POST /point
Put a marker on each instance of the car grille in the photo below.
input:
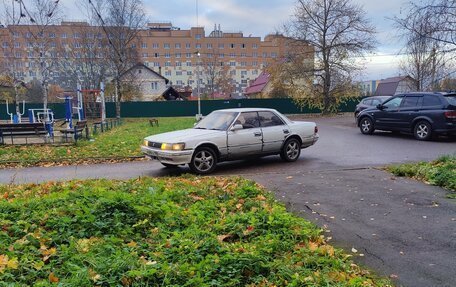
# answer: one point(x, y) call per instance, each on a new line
point(154, 144)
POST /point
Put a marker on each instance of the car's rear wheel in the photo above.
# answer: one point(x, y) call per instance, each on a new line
point(422, 131)
point(366, 126)
point(291, 150)
point(203, 161)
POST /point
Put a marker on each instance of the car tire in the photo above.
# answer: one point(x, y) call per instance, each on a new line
point(422, 131)
point(168, 165)
point(203, 161)
point(291, 150)
point(366, 126)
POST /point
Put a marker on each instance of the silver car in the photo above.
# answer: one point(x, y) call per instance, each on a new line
point(229, 135)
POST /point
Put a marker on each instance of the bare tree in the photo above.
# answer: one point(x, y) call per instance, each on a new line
point(216, 72)
point(339, 31)
point(440, 20)
point(121, 21)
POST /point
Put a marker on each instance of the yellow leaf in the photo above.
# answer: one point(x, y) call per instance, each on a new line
point(38, 265)
point(312, 246)
point(132, 244)
point(13, 263)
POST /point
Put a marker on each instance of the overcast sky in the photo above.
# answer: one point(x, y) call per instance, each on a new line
point(260, 17)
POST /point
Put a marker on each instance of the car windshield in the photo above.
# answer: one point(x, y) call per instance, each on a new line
point(451, 99)
point(217, 121)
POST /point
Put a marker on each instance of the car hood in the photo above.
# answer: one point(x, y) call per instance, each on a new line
point(183, 135)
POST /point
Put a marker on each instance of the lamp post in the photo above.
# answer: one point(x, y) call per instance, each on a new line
point(198, 54)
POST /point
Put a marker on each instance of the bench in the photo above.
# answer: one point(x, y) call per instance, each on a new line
point(22, 130)
point(153, 121)
point(77, 131)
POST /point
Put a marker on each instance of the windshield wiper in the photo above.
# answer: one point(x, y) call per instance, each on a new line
point(199, 128)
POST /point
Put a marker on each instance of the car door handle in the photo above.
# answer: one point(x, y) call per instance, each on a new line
point(257, 134)
point(285, 131)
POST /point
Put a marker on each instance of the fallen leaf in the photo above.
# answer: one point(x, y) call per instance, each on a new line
point(289, 177)
point(53, 278)
point(132, 244)
point(393, 276)
point(222, 238)
point(354, 250)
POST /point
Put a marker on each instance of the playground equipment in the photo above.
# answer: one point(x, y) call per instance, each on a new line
point(17, 117)
point(94, 103)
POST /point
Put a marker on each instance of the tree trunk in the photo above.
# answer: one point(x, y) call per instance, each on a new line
point(118, 98)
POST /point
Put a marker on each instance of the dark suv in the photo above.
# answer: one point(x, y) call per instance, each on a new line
point(422, 114)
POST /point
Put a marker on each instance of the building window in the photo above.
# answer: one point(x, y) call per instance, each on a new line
point(209, 55)
point(177, 45)
point(188, 45)
point(255, 46)
point(178, 55)
point(189, 73)
point(243, 64)
point(243, 82)
point(51, 35)
point(188, 55)
point(222, 55)
point(77, 45)
point(255, 54)
point(16, 35)
point(52, 45)
point(243, 46)
point(178, 73)
point(189, 64)
point(29, 45)
point(17, 45)
point(28, 35)
point(166, 46)
point(221, 46)
point(209, 45)
point(155, 45)
point(167, 64)
point(198, 36)
point(255, 64)
point(133, 46)
point(274, 55)
point(145, 55)
point(156, 64)
point(198, 46)
point(154, 85)
point(178, 64)
point(144, 45)
point(265, 54)
point(233, 73)
point(179, 83)
point(243, 73)
point(139, 71)
point(18, 55)
point(232, 64)
point(168, 73)
point(30, 54)
point(167, 55)
point(76, 35)
point(255, 72)
point(157, 55)
point(243, 55)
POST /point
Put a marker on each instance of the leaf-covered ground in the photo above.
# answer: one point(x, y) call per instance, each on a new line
point(186, 231)
point(120, 143)
point(441, 172)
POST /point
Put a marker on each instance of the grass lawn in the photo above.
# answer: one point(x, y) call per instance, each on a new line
point(185, 231)
point(120, 142)
point(441, 172)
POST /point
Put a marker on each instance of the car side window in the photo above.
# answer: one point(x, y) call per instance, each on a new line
point(429, 101)
point(367, 102)
point(410, 102)
point(269, 119)
point(248, 120)
point(394, 103)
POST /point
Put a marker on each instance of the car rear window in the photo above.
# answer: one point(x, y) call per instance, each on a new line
point(431, 101)
point(451, 99)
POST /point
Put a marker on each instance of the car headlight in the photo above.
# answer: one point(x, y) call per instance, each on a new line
point(175, 147)
point(146, 143)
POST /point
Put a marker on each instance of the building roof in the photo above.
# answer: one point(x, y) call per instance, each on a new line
point(142, 66)
point(258, 85)
point(388, 86)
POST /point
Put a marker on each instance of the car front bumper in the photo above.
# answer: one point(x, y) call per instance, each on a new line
point(168, 156)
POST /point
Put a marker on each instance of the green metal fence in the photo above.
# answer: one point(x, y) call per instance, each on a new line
point(187, 108)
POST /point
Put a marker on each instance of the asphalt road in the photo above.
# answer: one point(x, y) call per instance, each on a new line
point(399, 227)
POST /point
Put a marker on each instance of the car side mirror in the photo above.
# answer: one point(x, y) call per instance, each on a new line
point(380, 107)
point(237, 127)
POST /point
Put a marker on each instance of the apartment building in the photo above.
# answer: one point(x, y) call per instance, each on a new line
point(185, 57)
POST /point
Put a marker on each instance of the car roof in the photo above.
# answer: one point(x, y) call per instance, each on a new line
point(426, 93)
point(239, 110)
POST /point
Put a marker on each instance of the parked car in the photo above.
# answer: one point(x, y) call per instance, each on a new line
point(369, 102)
point(422, 114)
point(231, 134)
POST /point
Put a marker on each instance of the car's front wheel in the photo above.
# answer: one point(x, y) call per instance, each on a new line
point(203, 161)
point(291, 150)
point(366, 126)
point(422, 131)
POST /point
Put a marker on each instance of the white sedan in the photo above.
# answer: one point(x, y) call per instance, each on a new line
point(229, 135)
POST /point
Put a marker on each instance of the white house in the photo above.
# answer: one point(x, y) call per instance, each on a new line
point(152, 84)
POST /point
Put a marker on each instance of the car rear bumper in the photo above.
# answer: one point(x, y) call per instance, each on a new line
point(169, 157)
point(307, 142)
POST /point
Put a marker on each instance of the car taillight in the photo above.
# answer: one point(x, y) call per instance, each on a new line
point(450, 115)
point(316, 130)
